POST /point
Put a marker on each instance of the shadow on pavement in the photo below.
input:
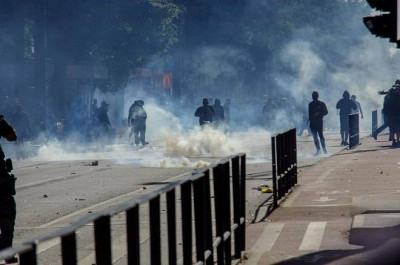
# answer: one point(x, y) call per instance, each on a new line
point(381, 246)
point(268, 204)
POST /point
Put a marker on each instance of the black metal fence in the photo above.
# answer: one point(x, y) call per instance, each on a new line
point(284, 164)
point(374, 121)
point(354, 130)
point(216, 193)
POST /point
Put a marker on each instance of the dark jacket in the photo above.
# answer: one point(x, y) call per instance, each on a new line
point(205, 114)
point(346, 106)
point(316, 112)
point(219, 111)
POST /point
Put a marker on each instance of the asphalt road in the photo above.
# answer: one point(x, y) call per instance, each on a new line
point(61, 184)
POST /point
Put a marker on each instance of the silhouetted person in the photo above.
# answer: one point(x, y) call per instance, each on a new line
point(385, 118)
point(303, 122)
point(104, 121)
point(22, 124)
point(316, 112)
point(359, 109)
point(219, 114)
point(8, 210)
point(269, 111)
point(345, 106)
point(137, 118)
point(205, 113)
point(227, 114)
point(391, 108)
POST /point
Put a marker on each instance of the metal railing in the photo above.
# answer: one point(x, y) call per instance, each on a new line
point(354, 130)
point(374, 121)
point(217, 191)
point(284, 164)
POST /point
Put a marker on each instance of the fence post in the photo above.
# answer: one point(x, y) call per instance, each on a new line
point(227, 211)
point(354, 131)
point(28, 257)
point(171, 217)
point(186, 205)
point(243, 199)
point(199, 217)
point(274, 177)
point(219, 211)
point(236, 204)
point(133, 238)
point(374, 121)
point(208, 218)
point(68, 246)
point(102, 236)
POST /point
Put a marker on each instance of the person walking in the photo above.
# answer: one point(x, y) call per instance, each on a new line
point(359, 109)
point(137, 117)
point(345, 106)
point(316, 112)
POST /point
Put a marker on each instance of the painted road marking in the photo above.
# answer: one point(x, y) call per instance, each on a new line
point(324, 199)
point(266, 241)
point(313, 237)
point(358, 221)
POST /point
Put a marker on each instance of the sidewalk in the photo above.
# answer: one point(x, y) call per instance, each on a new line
point(344, 210)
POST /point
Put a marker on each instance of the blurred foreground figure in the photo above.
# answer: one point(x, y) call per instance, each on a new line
point(137, 118)
point(345, 106)
point(205, 113)
point(7, 191)
point(316, 112)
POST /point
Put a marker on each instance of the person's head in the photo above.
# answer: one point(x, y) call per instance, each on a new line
point(353, 97)
point(217, 101)
point(315, 95)
point(205, 101)
point(346, 94)
point(140, 102)
point(397, 82)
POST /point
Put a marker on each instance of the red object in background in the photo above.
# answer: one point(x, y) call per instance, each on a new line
point(167, 80)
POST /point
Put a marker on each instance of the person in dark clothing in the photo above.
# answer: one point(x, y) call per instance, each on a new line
point(316, 112)
point(8, 211)
point(391, 108)
point(205, 113)
point(269, 112)
point(21, 123)
point(227, 115)
point(303, 122)
point(219, 114)
point(103, 120)
point(385, 118)
point(345, 106)
point(137, 118)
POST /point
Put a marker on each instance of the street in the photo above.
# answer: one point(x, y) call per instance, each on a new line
point(65, 187)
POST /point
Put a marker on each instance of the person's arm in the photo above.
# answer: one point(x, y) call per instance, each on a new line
point(197, 113)
point(324, 110)
point(361, 112)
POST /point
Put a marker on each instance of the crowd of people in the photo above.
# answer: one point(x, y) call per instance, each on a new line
point(215, 114)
